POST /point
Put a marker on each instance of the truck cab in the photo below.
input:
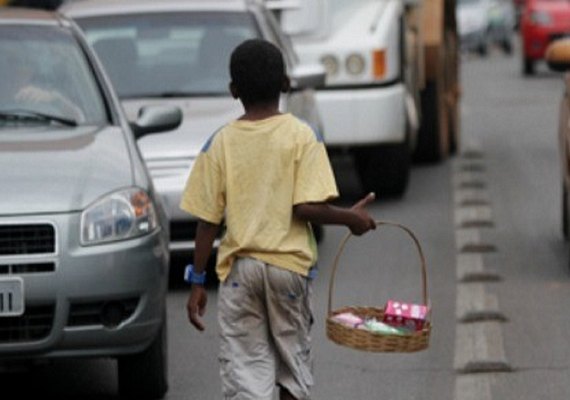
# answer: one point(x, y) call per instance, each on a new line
point(368, 108)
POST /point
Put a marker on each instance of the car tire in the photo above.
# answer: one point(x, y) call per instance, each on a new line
point(565, 214)
point(528, 66)
point(384, 169)
point(144, 375)
point(483, 47)
point(507, 46)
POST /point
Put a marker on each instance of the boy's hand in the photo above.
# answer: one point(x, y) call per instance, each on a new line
point(363, 221)
point(196, 306)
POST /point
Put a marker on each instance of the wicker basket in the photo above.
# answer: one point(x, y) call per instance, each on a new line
point(364, 340)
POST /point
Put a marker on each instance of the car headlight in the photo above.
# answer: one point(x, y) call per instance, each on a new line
point(541, 18)
point(355, 64)
point(330, 63)
point(118, 216)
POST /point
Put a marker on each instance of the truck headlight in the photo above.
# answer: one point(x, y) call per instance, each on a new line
point(355, 64)
point(330, 63)
point(118, 216)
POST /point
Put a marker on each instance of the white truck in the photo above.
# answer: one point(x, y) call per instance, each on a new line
point(391, 89)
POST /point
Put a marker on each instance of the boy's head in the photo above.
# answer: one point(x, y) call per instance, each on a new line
point(258, 73)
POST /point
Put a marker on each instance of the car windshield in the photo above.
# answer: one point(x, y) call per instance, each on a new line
point(169, 54)
point(45, 79)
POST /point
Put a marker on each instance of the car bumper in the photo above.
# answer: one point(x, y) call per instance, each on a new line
point(66, 302)
point(362, 116)
point(537, 39)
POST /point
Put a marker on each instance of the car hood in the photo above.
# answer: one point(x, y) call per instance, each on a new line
point(47, 170)
point(202, 117)
point(558, 10)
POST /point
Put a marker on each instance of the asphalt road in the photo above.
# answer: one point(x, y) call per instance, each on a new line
point(511, 120)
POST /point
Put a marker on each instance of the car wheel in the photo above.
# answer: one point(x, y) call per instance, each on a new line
point(565, 213)
point(384, 169)
point(507, 46)
point(528, 66)
point(483, 47)
point(144, 375)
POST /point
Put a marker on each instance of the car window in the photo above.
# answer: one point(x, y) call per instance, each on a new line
point(43, 70)
point(168, 54)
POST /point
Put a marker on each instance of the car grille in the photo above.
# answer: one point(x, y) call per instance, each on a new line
point(183, 231)
point(18, 240)
point(35, 324)
point(35, 268)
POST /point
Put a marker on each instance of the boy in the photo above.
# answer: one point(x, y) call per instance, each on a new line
point(269, 176)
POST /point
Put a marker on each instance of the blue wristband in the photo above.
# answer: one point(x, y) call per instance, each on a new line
point(191, 277)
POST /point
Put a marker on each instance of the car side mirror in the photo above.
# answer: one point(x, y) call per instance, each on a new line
point(558, 55)
point(155, 119)
point(308, 76)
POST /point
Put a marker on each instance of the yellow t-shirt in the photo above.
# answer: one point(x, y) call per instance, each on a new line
point(252, 173)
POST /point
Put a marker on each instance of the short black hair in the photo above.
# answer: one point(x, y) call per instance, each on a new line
point(257, 70)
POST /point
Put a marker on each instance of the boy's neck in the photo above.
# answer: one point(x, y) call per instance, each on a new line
point(260, 111)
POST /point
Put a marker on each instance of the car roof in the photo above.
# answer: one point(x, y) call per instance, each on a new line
point(27, 16)
point(88, 8)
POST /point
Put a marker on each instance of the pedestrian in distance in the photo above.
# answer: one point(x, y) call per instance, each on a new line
point(268, 177)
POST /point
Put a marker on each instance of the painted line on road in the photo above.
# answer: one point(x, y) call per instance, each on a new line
point(465, 196)
point(473, 387)
point(474, 304)
point(466, 216)
point(471, 268)
point(479, 346)
point(469, 241)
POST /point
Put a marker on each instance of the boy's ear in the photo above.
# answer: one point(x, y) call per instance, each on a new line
point(286, 85)
point(234, 91)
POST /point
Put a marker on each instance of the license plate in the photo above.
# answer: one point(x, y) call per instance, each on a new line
point(11, 297)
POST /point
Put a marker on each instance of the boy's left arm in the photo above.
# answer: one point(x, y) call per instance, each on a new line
point(196, 305)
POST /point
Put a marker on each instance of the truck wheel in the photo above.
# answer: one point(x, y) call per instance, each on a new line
point(144, 375)
point(384, 169)
point(565, 224)
point(432, 143)
point(452, 91)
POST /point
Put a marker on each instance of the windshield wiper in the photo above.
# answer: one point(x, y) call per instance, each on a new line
point(29, 115)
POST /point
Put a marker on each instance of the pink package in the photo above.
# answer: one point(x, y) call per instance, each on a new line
point(411, 316)
point(348, 319)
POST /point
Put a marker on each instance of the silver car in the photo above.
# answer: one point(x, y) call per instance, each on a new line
point(177, 52)
point(83, 240)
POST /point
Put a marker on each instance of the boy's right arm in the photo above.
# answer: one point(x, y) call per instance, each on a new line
point(356, 218)
point(196, 305)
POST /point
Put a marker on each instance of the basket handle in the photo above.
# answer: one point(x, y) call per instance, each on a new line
point(378, 224)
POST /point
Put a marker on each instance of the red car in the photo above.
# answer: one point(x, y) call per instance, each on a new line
point(542, 21)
